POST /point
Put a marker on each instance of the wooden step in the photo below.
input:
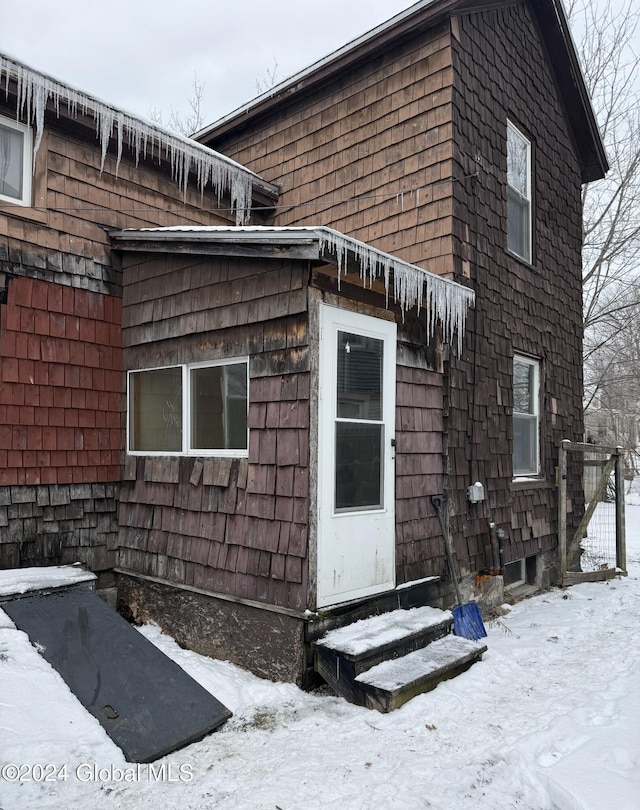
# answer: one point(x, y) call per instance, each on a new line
point(343, 654)
point(392, 683)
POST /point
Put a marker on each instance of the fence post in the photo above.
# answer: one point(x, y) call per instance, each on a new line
point(621, 537)
point(562, 508)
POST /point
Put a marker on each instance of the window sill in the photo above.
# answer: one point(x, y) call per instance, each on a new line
point(518, 484)
point(23, 212)
point(191, 454)
point(524, 262)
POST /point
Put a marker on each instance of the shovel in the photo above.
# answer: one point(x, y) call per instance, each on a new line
point(467, 621)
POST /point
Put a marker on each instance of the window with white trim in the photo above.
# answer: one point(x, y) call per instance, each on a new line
point(198, 409)
point(526, 416)
point(16, 156)
point(518, 193)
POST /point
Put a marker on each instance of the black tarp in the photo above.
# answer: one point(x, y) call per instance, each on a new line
point(146, 703)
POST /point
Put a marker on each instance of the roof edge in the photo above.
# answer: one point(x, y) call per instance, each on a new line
point(358, 48)
point(425, 14)
point(37, 93)
point(444, 301)
point(595, 163)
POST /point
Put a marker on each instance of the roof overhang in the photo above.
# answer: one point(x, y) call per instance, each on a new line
point(409, 286)
point(422, 15)
point(554, 26)
point(36, 94)
point(552, 22)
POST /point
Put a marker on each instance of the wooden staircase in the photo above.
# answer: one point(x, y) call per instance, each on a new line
point(384, 661)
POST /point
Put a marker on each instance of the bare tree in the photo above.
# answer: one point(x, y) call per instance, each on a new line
point(613, 390)
point(270, 78)
point(606, 43)
point(611, 66)
point(194, 118)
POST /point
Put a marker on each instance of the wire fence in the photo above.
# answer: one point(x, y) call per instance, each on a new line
point(594, 546)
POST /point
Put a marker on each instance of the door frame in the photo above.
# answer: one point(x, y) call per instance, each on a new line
point(332, 318)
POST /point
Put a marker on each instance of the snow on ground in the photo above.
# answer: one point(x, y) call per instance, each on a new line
point(547, 721)
point(34, 579)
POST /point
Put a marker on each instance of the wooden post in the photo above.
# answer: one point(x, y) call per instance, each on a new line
point(621, 537)
point(562, 508)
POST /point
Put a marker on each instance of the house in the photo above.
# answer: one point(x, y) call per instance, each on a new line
point(71, 168)
point(457, 137)
point(245, 350)
point(399, 317)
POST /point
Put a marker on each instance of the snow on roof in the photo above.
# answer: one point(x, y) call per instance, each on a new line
point(22, 580)
point(445, 301)
point(144, 138)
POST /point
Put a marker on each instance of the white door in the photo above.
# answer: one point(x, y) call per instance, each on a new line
point(356, 429)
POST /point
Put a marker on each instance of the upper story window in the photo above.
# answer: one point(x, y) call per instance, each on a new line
point(518, 193)
point(16, 155)
point(526, 416)
point(198, 409)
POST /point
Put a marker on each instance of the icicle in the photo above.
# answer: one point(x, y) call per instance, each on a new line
point(35, 90)
point(446, 302)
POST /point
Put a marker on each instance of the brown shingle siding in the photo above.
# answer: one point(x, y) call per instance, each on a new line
point(418, 469)
point(382, 129)
point(535, 310)
point(239, 516)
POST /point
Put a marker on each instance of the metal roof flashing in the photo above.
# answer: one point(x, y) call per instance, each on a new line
point(409, 286)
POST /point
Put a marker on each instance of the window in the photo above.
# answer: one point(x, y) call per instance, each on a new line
point(518, 193)
point(200, 409)
point(526, 416)
point(521, 572)
point(16, 155)
point(513, 574)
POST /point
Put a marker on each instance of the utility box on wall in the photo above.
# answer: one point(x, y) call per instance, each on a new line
point(475, 493)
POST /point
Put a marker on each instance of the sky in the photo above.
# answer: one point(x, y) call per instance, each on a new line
point(141, 55)
point(548, 720)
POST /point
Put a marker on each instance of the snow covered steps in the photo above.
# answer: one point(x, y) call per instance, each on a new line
point(384, 661)
point(392, 683)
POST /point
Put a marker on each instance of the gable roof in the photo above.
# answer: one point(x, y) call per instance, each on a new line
point(443, 300)
point(552, 22)
point(37, 93)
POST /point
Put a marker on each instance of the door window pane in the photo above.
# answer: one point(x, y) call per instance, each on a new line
point(358, 466)
point(359, 370)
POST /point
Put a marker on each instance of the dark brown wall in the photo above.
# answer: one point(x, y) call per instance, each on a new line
point(501, 72)
point(424, 120)
point(419, 446)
